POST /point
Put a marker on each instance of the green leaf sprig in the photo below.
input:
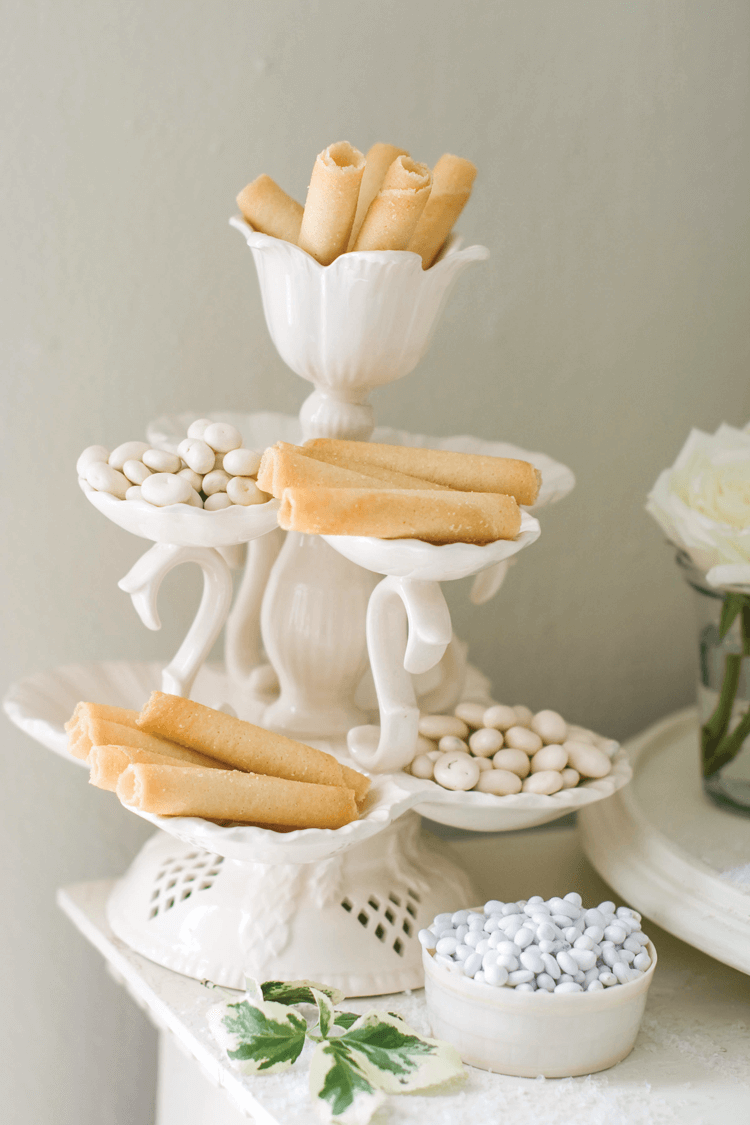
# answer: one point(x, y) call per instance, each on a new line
point(357, 1060)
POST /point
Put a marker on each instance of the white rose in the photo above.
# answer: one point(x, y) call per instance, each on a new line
point(703, 504)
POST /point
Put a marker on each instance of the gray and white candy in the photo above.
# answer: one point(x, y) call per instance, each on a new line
point(557, 945)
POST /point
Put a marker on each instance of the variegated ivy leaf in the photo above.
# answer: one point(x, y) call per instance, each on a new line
point(259, 1036)
point(326, 1014)
point(298, 991)
point(395, 1059)
point(341, 1090)
point(345, 1019)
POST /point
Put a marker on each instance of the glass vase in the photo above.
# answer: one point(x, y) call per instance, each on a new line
point(723, 620)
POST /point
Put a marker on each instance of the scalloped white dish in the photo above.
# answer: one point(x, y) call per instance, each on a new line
point(386, 802)
point(184, 525)
point(484, 812)
point(360, 322)
point(413, 558)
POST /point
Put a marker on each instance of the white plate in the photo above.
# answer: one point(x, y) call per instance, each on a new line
point(669, 851)
point(413, 558)
point(184, 525)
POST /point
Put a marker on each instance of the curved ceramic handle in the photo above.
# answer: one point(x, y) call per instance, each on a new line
point(142, 582)
point(394, 654)
point(242, 637)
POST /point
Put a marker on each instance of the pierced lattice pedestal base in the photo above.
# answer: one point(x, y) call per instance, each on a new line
point(350, 921)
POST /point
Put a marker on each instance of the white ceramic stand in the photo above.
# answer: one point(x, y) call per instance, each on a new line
point(351, 921)
point(214, 901)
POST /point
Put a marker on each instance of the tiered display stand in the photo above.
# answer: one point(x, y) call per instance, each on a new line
point(337, 640)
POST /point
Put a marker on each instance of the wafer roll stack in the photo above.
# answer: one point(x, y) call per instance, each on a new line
point(236, 743)
point(452, 179)
point(234, 796)
point(268, 209)
point(108, 762)
point(286, 466)
point(464, 472)
point(377, 162)
point(393, 215)
point(331, 202)
point(92, 728)
point(435, 517)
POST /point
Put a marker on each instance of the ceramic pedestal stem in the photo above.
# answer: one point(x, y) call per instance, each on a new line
point(313, 626)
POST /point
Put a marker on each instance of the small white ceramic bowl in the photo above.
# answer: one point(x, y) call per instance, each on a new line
point(528, 1034)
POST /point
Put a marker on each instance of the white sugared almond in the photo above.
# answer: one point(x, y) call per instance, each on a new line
point(471, 713)
point(500, 782)
point(457, 771)
point(244, 491)
point(499, 717)
point(585, 758)
point(161, 461)
point(437, 726)
point(217, 501)
point(521, 738)
point(548, 781)
point(516, 761)
point(549, 758)
point(198, 428)
point(550, 727)
point(103, 478)
point(90, 456)
point(485, 742)
point(215, 481)
point(422, 766)
point(450, 744)
point(128, 451)
point(197, 455)
point(242, 462)
point(163, 489)
point(136, 471)
point(222, 437)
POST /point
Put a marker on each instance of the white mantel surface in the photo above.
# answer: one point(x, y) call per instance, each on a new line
point(690, 1066)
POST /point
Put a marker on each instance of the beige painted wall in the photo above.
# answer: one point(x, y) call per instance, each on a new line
point(612, 144)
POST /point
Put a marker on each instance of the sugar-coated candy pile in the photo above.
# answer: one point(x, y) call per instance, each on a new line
point(212, 471)
point(533, 945)
point(504, 750)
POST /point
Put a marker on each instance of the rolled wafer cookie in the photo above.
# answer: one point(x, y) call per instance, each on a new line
point(357, 781)
point(378, 160)
point(465, 472)
point(393, 215)
point(108, 762)
point(452, 179)
point(76, 727)
point(268, 209)
point(232, 795)
point(384, 475)
point(236, 743)
point(435, 517)
point(286, 466)
point(93, 730)
point(331, 202)
point(102, 711)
